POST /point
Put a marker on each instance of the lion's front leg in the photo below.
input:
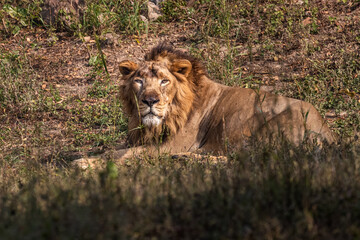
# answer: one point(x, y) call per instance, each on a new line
point(94, 162)
point(99, 162)
point(122, 155)
point(200, 157)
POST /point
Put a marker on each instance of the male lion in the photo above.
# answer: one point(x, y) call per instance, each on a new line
point(174, 107)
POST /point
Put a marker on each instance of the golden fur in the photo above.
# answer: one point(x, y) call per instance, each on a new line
point(218, 113)
point(174, 106)
point(182, 100)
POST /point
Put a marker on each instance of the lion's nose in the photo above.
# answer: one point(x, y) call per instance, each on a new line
point(150, 101)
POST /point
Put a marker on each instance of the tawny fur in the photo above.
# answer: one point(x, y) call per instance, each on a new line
point(198, 114)
point(203, 114)
point(182, 102)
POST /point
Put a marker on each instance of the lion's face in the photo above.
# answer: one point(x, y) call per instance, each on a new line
point(154, 87)
point(158, 93)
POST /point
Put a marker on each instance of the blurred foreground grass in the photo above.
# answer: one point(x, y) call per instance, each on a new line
point(291, 193)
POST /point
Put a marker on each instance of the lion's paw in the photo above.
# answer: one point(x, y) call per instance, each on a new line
point(88, 163)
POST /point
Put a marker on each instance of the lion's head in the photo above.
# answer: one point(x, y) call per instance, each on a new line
point(158, 94)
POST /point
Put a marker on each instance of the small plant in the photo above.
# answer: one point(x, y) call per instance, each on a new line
point(174, 10)
point(101, 124)
point(275, 21)
point(334, 89)
point(223, 66)
point(15, 17)
point(97, 65)
point(314, 28)
point(20, 92)
point(112, 15)
point(218, 20)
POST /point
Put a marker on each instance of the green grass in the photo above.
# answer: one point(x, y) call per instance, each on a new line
point(264, 192)
point(330, 88)
point(20, 92)
point(98, 124)
point(112, 15)
point(14, 17)
point(175, 10)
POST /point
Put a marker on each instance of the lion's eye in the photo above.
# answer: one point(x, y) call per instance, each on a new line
point(138, 81)
point(164, 82)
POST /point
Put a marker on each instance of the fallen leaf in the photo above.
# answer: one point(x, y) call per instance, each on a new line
point(87, 39)
point(306, 21)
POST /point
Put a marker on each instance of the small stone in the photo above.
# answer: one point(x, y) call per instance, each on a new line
point(266, 88)
point(153, 11)
point(87, 39)
point(306, 21)
point(109, 39)
point(143, 18)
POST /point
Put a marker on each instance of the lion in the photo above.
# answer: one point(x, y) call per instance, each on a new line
point(174, 107)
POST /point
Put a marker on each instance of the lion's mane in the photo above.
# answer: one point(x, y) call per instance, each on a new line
point(182, 103)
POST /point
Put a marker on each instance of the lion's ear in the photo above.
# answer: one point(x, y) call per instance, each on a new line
point(127, 67)
point(181, 66)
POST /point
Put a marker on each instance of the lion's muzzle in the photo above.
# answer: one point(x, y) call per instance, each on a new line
point(150, 101)
point(151, 116)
